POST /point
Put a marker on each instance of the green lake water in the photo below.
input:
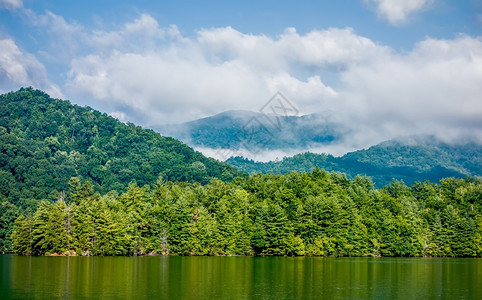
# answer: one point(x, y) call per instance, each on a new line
point(239, 278)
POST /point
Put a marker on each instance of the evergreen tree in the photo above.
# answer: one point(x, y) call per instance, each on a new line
point(22, 235)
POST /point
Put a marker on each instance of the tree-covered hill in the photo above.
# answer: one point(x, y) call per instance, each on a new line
point(74, 180)
point(44, 142)
point(228, 130)
point(411, 159)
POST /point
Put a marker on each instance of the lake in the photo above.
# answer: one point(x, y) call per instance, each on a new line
point(24, 277)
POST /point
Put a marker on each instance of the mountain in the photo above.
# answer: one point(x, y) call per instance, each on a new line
point(408, 159)
point(238, 129)
point(44, 142)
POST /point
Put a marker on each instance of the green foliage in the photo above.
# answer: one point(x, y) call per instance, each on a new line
point(8, 213)
point(22, 235)
point(317, 213)
point(73, 180)
point(49, 146)
point(45, 142)
point(410, 162)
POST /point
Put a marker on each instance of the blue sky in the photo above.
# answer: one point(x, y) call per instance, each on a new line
point(380, 68)
point(439, 19)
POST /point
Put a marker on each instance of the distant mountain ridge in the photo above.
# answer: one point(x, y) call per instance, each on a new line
point(411, 159)
point(408, 159)
point(232, 129)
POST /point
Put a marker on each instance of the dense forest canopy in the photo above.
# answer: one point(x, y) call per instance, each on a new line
point(413, 159)
point(76, 181)
point(317, 213)
point(410, 158)
point(44, 142)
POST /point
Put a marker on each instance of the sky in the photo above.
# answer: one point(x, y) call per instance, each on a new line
point(381, 68)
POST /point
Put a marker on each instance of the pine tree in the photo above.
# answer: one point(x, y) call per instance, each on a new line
point(22, 237)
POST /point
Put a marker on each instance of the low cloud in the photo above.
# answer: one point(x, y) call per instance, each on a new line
point(119, 116)
point(397, 12)
point(379, 93)
point(155, 75)
point(434, 89)
point(173, 78)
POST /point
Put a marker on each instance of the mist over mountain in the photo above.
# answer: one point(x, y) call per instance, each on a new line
point(57, 158)
point(252, 133)
point(256, 142)
point(409, 159)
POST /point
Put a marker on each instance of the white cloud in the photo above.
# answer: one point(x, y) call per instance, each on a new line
point(64, 39)
point(318, 48)
point(334, 46)
point(155, 75)
point(19, 68)
point(398, 11)
point(11, 4)
point(119, 115)
point(164, 77)
point(435, 89)
point(172, 78)
point(137, 36)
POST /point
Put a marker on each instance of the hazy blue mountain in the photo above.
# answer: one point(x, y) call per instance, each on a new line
point(238, 129)
point(408, 159)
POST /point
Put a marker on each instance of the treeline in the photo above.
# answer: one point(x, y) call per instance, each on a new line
point(317, 213)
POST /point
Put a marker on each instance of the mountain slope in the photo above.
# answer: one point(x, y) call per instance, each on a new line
point(232, 129)
point(44, 142)
point(410, 160)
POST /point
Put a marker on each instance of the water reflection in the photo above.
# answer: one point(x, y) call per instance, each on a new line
point(238, 278)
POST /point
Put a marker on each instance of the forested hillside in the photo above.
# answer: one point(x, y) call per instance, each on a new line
point(410, 160)
point(76, 181)
point(317, 213)
point(46, 143)
point(229, 129)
